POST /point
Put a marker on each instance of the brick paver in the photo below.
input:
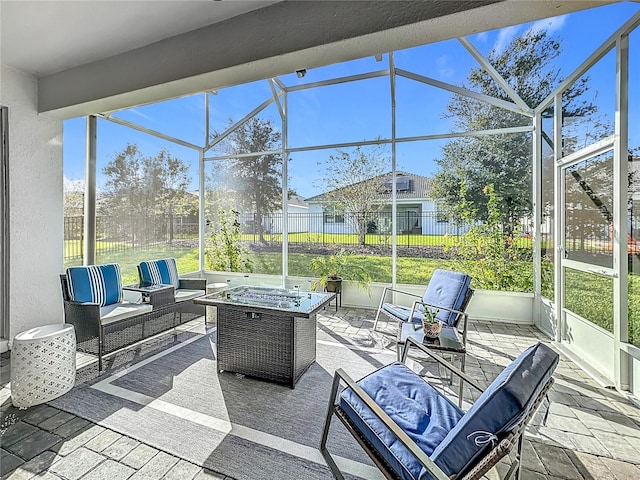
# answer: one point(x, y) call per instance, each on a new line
point(77, 464)
point(139, 456)
point(35, 466)
point(156, 468)
point(591, 432)
point(182, 470)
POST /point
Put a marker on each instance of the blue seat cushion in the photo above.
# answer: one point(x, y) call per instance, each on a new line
point(497, 410)
point(101, 284)
point(418, 409)
point(447, 288)
point(163, 271)
point(402, 313)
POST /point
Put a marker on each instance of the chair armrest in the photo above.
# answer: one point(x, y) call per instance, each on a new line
point(390, 289)
point(438, 307)
point(193, 283)
point(448, 365)
point(462, 315)
point(85, 317)
point(416, 451)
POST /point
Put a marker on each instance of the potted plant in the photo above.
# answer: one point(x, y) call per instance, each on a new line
point(431, 326)
point(331, 269)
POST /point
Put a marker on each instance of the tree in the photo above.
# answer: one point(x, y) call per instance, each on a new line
point(224, 249)
point(491, 258)
point(254, 181)
point(73, 209)
point(353, 185)
point(144, 186)
point(73, 198)
point(505, 159)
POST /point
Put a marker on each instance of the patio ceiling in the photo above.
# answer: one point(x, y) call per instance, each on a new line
point(101, 56)
point(77, 33)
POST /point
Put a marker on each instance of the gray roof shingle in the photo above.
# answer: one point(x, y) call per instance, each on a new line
point(419, 187)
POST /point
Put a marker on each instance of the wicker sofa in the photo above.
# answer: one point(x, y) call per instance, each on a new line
point(105, 320)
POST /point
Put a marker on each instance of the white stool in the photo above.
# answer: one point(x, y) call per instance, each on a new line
point(211, 315)
point(43, 364)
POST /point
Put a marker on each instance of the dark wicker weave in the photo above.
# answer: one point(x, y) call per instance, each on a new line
point(267, 344)
point(484, 461)
point(92, 336)
point(186, 283)
point(187, 306)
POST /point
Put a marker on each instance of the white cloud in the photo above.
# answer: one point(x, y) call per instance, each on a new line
point(140, 114)
point(504, 37)
point(482, 37)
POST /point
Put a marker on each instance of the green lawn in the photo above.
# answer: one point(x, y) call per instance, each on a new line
point(186, 258)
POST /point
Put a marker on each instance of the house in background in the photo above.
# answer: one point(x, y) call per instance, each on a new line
point(417, 211)
point(297, 213)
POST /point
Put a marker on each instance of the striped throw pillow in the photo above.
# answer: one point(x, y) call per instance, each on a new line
point(101, 284)
point(162, 271)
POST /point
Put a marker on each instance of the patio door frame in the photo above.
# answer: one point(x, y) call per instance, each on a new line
point(609, 342)
point(625, 358)
point(4, 223)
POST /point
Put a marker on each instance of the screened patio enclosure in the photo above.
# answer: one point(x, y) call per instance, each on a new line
point(240, 170)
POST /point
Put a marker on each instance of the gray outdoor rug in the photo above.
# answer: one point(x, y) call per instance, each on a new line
point(176, 401)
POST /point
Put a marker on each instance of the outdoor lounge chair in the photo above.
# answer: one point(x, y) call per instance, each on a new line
point(448, 293)
point(412, 431)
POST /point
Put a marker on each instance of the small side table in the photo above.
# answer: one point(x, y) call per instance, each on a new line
point(211, 312)
point(156, 295)
point(43, 364)
point(447, 342)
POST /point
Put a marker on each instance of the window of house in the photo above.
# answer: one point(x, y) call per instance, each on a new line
point(441, 216)
point(333, 214)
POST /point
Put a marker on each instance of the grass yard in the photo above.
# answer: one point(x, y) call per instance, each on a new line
point(186, 258)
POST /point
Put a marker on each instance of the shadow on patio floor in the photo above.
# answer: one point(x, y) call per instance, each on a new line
point(591, 432)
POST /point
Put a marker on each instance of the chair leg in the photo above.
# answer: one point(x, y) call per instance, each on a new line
point(375, 322)
point(325, 432)
point(100, 349)
point(463, 362)
point(516, 464)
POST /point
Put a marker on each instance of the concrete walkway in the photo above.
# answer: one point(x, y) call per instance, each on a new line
point(591, 432)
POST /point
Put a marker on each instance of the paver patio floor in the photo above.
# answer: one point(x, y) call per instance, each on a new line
point(591, 432)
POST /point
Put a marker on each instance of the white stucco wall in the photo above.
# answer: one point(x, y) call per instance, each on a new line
point(35, 189)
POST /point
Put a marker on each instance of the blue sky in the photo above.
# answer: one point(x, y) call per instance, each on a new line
point(356, 111)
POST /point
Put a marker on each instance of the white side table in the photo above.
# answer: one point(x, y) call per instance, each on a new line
point(211, 315)
point(43, 364)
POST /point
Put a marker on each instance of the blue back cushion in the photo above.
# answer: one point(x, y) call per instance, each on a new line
point(162, 271)
point(499, 407)
point(447, 289)
point(418, 409)
point(101, 284)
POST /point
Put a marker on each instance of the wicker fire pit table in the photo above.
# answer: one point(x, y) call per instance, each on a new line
point(264, 332)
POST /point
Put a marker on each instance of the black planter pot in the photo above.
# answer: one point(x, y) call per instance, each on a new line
point(334, 285)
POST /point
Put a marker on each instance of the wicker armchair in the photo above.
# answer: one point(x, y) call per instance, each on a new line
point(411, 430)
